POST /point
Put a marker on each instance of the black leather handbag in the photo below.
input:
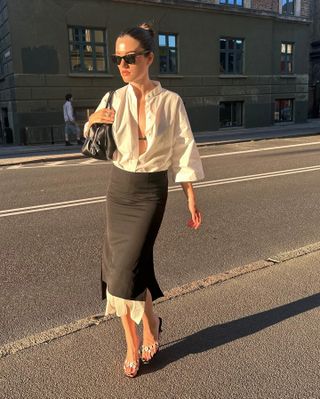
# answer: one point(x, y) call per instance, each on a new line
point(100, 143)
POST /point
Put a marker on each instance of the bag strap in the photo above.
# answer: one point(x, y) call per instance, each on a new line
point(109, 102)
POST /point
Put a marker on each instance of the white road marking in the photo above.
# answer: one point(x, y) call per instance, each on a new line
point(63, 164)
point(14, 167)
point(208, 183)
point(51, 208)
point(55, 205)
point(55, 163)
point(260, 150)
point(98, 162)
point(240, 179)
point(89, 161)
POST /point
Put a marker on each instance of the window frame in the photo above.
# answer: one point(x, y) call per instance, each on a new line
point(233, 104)
point(94, 44)
point(167, 47)
point(231, 3)
point(287, 12)
point(235, 51)
point(287, 56)
point(275, 108)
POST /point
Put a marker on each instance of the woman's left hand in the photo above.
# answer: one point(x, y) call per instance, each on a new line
point(195, 220)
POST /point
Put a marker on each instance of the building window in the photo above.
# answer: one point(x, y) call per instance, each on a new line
point(286, 65)
point(288, 7)
point(231, 55)
point(231, 113)
point(283, 110)
point(232, 2)
point(88, 52)
point(168, 53)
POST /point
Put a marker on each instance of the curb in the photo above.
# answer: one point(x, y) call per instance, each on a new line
point(47, 336)
point(244, 140)
point(43, 158)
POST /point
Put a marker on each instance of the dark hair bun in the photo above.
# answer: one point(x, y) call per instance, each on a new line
point(144, 34)
point(147, 27)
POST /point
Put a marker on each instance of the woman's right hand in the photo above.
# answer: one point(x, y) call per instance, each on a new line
point(105, 115)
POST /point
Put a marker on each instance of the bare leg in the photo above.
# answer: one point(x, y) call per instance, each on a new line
point(132, 359)
point(150, 328)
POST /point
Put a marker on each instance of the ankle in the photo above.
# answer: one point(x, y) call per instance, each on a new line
point(151, 327)
point(132, 342)
point(132, 353)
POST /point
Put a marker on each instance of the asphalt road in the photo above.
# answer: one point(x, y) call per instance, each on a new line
point(252, 337)
point(50, 259)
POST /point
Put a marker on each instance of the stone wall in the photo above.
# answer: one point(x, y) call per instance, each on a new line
point(302, 7)
point(7, 104)
point(266, 5)
point(314, 74)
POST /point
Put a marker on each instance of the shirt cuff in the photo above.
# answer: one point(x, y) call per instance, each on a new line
point(188, 175)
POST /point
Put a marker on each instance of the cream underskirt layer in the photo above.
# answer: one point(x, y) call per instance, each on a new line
point(119, 306)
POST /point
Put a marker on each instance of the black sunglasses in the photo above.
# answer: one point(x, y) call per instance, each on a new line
point(128, 59)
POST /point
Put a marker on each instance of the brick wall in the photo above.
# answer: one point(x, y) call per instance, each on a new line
point(303, 7)
point(306, 7)
point(266, 5)
point(7, 106)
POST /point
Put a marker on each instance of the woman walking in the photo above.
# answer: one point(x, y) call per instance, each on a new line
point(153, 134)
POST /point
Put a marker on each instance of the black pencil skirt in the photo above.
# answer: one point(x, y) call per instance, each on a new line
point(134, 211)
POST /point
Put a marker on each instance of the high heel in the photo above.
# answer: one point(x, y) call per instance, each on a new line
point(151, 349)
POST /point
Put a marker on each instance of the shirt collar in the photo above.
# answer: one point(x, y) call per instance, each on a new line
point(155, 91)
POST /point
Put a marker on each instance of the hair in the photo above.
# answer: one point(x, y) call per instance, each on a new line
point(144, 33)
point(68, 96)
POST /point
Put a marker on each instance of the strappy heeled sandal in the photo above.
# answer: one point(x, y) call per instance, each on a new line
point(151, 349)
point(134, 366)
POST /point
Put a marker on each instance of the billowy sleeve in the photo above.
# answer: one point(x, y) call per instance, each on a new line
point(103, 104)
point(186, 165)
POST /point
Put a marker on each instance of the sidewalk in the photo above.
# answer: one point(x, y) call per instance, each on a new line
point(13, 155)
point(255, 336)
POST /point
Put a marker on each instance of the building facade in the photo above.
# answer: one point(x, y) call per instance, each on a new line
point(234, 62)
point(314, 82)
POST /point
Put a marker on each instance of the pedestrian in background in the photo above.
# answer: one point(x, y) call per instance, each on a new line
point(152, 133)
point(71, 126)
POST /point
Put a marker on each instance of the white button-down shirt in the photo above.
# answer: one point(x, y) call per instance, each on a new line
point(170, 142)
point(68, 112)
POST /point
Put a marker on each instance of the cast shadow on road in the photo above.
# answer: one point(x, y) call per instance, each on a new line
point(215, 336)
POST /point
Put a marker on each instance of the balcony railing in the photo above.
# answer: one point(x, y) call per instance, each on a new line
point(50, 134)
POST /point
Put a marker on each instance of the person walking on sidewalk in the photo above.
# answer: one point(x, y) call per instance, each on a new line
point(70, 123)
point(152, 134)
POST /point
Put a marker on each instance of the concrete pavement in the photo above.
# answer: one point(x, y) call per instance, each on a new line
point(14, 155)
point(255, 335)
